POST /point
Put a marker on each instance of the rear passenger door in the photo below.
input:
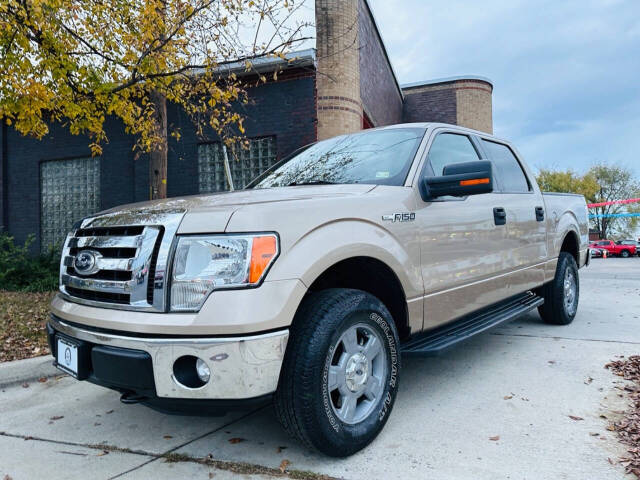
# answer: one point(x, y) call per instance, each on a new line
point(526, 239)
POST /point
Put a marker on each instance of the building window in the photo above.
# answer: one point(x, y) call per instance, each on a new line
point(69, 191)
point(245, 165)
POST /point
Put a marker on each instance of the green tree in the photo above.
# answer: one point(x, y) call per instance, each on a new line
point(568, 181)
point(79, 61)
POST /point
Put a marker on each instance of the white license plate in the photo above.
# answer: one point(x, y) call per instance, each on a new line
point(68, 357)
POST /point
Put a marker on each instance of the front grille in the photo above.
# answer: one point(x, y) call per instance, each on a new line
point(121, 264)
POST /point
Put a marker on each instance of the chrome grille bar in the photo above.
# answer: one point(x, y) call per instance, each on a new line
point(117, 264)
point(107, 242)
point(107, 286)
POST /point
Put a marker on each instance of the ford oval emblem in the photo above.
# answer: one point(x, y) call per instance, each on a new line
point(86, 262)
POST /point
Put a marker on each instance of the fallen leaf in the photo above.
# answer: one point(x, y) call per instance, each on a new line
point(110, 411)
point(103, 453)
point(167, 437)
point(611, 428)
point(236, 440)
point(25, 385)
point(551, 362)
point(588, 381)
point(594, 434)
point(7, 477)
point(57, 417)
point(42, 379)
point(495, 439)
point(577, 419)
point(97, 424)
point(508, 397)
point(283, 465)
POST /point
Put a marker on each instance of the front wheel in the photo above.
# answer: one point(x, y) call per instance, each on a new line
point(340, 374)
point(561, 295)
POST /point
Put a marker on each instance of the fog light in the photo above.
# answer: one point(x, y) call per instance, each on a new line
point(203, 370)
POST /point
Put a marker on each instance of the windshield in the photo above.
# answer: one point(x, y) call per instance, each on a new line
point(381, 157)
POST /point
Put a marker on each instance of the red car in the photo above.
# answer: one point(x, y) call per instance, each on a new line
point(614, 249)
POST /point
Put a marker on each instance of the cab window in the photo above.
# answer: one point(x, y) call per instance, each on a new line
point(448, 148)
point(511, 177)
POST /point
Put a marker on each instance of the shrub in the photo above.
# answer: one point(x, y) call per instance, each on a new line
point(22, 271)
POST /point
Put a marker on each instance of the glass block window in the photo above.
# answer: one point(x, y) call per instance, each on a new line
point(245, 164)
point(69, 191)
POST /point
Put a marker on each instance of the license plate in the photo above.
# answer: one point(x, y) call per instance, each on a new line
point(67, 357)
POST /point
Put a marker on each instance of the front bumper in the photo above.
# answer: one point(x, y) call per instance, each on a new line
point(241, 367)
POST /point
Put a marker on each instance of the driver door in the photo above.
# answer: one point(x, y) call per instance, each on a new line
point(462, 255)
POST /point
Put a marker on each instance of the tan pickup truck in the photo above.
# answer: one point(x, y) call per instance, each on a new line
point(307, 287)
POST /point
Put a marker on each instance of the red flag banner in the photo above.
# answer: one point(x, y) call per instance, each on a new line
point(613, 202)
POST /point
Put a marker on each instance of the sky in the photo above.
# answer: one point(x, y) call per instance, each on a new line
point(566, 73)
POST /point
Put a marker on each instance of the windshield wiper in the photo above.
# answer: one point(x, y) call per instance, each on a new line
point(312, 182)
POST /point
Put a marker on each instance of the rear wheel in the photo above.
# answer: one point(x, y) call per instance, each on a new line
point(625, 254)
point(561, 295)
point(340, 374)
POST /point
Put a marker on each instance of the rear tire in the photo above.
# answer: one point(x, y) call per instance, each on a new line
point(625, 254)
point(561, 295)
point(340, 374)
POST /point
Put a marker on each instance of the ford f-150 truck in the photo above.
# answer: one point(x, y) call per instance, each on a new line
point(307, 287)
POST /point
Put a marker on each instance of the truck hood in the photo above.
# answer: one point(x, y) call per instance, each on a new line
point(211, 213)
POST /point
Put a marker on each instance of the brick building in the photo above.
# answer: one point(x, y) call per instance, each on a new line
point(344, 84)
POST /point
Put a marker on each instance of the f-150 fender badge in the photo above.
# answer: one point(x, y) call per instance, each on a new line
point(400, 217)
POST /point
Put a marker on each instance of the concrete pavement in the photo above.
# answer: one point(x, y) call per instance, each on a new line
point(499, 406)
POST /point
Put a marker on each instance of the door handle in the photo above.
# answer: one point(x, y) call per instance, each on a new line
point(499, 216)
point(539, 214)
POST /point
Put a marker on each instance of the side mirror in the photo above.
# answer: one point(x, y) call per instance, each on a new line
point(459, 180)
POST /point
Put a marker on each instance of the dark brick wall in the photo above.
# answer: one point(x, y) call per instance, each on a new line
point(23, 158)
point(286, 109)
point(429, 105)
point(381, 98)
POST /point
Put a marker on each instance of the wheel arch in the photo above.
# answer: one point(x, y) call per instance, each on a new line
point(373, 276)
point(571, 244)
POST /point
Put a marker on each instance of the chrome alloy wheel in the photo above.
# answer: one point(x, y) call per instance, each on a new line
point(357, 373)
point(570, 292)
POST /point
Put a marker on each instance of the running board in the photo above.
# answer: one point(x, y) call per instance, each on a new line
point(434, 342)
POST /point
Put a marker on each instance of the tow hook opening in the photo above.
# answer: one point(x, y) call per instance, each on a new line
point(129, 398)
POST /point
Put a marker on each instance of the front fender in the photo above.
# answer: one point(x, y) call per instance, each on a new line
point(328, 244)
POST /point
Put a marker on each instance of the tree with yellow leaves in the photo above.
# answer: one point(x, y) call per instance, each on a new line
point(78, 62)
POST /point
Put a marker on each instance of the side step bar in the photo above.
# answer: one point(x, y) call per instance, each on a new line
point(438, 340)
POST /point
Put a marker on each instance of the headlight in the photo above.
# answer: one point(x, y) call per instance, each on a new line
point(205, 263)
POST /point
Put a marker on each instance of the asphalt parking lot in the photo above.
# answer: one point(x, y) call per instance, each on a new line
point(497, 407)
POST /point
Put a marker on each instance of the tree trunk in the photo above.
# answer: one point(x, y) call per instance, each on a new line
point(158, 155)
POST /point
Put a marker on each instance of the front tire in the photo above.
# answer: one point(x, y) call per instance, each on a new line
point(340, 374)
point(561, 295)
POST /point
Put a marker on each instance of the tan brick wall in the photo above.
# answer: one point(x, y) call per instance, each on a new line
point(338, 78)
point(474, 105)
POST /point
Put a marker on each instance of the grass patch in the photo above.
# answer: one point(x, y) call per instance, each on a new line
point(22, 324)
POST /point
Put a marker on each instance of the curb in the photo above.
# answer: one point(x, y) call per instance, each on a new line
point(21, 371)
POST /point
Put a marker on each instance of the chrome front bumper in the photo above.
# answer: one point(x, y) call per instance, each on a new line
point(241, 367)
